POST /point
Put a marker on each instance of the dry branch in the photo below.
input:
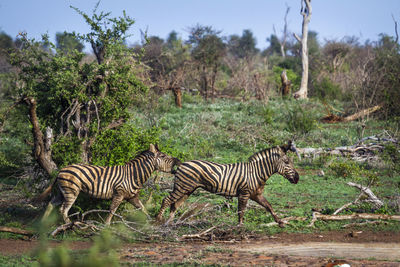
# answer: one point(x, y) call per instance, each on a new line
point(361, 151)
point(371, 196)
point(16, 230)
point(364, 191)
point(355, 216)
point(285, 221)
point(198, 235)
point(332, 118)
point(362, 113)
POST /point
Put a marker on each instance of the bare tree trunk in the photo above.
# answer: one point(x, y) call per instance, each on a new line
point(178, 96)
point(306, 13)
point(286, 83)
point(42, 143)
point(282, 41)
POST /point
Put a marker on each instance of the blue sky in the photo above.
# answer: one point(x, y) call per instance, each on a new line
point(332, 19)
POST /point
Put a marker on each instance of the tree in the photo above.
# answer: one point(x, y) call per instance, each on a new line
point(208, 50)
point(67, 42)
point(244, 46)
point(306, 12)
point(274, 46)
point(283, 39)
point(76, 100)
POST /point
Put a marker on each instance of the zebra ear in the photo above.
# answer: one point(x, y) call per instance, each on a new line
point(152, 148)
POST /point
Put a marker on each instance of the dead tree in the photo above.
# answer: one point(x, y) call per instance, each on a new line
point(306, 13)
point(178, 96)
point(286, 83)
point(282, 41)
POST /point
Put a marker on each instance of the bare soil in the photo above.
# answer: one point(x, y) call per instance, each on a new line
point(285, 249)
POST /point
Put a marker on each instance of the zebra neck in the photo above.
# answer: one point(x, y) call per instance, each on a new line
point(263, 168)
point(141, 168)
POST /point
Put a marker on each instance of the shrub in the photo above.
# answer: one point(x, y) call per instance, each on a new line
point(353, 170)
point(118, 146)
point(298, 120)
point(326, 90)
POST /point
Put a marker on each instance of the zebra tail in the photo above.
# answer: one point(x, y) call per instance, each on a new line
point(45, 193)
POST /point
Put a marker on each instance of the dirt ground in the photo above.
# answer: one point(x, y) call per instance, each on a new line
point(356, 249)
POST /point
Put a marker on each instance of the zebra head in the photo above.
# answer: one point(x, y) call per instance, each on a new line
point(163, 162)
point(285, 166)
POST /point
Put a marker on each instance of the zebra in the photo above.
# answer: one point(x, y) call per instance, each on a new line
point(243, 180)
point(114, 182)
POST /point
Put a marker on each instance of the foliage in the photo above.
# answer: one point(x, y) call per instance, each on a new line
point(101, 253)
point(68, 42)
point(326, 90)
point(391, 154)
point(117, 147)
point(353, 170)
point(242, 46)
point(80, 98)
point(387, 83)
point(299, 120)
point(292, 76)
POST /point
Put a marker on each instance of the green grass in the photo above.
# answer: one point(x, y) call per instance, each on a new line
point(16, 261)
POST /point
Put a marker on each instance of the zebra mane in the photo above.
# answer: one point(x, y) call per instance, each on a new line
point(264, 152)
point(145, 153)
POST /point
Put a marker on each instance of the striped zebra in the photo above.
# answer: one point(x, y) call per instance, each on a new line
point(243, 180)
point(115, 182)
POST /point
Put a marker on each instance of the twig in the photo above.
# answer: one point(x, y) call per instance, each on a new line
point(348, 204)
point(285, 221)
point(199, 235)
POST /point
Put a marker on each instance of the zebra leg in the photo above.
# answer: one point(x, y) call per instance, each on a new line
point(66, 206)
point(242, 203)
point(173, 197)
point(116, 201)
point(260, 199)
point(174, 206)
point(135, 201)
point(165, 203)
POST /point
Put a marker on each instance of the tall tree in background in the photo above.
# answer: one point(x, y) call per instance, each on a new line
point(243, 46)
point(208, 50)
point(67, 42)
point(306, 12)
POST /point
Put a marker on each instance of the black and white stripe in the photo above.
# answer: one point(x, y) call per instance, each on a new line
point(243, 180)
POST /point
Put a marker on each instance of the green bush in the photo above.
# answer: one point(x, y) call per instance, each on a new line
point(291, 75)
point(353, 170)
point(299, 120)
point(391, 155)
point(326, 90)
point(118, 146)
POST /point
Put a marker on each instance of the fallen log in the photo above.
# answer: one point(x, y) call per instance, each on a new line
point(364, 149)
point(362, 113)
point(16, 231)
point(332, 118)
point(355, 216)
